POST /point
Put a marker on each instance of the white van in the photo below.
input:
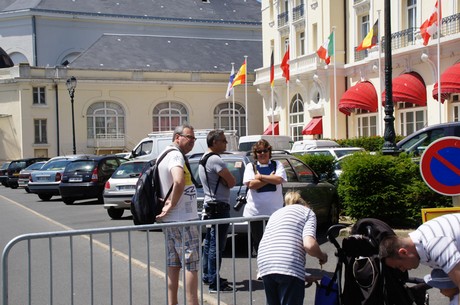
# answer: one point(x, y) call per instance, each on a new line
point(149, 148)
point(277, 142)
point(303, 145)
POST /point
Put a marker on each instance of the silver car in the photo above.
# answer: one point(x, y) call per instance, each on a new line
point(24, 175)
point(120, 187)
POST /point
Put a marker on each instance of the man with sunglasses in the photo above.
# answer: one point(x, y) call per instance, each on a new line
point(180, 206)
point(264, 179)
point(217, 181)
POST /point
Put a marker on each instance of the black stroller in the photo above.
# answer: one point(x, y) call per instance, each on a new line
point(367, 281)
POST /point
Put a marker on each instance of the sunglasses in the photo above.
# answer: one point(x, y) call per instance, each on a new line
point(263, 151)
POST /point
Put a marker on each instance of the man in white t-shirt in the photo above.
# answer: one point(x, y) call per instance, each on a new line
point(180, 206)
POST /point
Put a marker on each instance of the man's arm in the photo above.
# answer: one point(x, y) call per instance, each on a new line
point(228, 178)
point(312, 247)
point(454, 275)
point(177, 173)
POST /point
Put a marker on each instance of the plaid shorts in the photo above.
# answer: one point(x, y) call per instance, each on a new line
point(190, 246)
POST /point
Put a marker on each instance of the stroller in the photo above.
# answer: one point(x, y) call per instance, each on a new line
point(367, 281)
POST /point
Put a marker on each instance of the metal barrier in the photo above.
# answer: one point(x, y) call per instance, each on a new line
point(119, 265)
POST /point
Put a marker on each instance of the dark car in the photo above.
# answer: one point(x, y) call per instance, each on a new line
point(18, 165)
point(86, 178)
point(321, 195)
point(4, 174)
point(417, 142)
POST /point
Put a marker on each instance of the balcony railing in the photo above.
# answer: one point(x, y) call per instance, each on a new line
point(283, 19)
point(450, 25)
point(107, 141)
point(298, 12)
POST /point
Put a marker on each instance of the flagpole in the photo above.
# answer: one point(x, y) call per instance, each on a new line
point(335, 85)
point(273, 115)
point(438, 49)
point(233, 99)
point(379, 106)
point(246, 95)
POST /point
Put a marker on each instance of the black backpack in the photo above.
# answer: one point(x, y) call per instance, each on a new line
point(146, 204)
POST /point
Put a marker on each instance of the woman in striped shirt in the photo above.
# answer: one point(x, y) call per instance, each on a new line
point(290, 235)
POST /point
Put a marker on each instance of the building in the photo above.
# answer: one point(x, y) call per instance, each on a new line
point(345, 98)
point(139, 68)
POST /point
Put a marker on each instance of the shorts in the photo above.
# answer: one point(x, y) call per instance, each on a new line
point(175, 247)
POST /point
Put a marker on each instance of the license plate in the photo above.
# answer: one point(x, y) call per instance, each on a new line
point(42, 178)
point(126, 187)
point(75, 179)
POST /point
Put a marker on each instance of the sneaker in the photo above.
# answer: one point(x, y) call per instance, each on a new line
point(223, 281)
point(223, 288)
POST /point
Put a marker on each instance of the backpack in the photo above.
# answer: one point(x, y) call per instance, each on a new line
point(146, 204)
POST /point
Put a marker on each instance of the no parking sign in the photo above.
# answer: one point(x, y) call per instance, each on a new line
point(440, 166)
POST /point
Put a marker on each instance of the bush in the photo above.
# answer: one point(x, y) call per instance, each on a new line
point(368, 143)
point(386, 187)
point(321, 164)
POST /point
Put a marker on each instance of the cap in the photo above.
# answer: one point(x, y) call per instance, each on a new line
point(439, 279)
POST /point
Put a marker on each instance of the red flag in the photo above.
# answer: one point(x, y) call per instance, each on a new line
point(272, 71)
point(430, 26)
point(240, 77)
point(285, 66)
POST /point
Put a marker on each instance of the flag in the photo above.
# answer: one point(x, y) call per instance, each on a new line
point(285, 66)
point(327, 49)
point(430, 26)
point(230, 81)
point(371, 38)
point(240, 77)
point(272, 71)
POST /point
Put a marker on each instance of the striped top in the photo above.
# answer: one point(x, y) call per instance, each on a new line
point(281, 249)
point(438, 242)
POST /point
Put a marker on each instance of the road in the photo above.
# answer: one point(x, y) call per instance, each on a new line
point(25, 213)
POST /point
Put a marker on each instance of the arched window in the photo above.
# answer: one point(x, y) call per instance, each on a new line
point(223, 117)
point(105, 120)
point(168, 115)
point(296, 117)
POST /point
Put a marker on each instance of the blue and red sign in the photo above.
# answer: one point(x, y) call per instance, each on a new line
point(440, 166)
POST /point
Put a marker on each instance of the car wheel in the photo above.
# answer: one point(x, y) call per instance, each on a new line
point(14, 186)
point(333, 217)
point(27, 190)
point(45, 197)
point(115, 213)
point(68, 201)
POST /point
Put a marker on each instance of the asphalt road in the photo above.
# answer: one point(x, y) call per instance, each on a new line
point(24, 213)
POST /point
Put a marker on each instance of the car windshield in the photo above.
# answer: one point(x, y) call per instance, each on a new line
point(129, 170)
point(5, 165)
point(344, 152)
point(55, 165)
point(17, 164)
point(34, 166)
point(235, 166)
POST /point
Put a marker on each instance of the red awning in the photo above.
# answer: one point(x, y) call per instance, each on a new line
point(450, 83)
point(270, 128)
point(409, 88)
point(361, 96)
point(314, 127)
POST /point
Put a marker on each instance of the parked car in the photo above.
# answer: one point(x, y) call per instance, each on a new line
point(303, 145)
point(335, 152)
point(24, 175)
point(417, 142)
point(45, 182)
point(16, 166)
point(4, 174)
point(121, 186)
point(86, 178)
point(321, 195)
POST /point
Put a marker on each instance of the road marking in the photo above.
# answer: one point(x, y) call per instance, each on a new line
point(209, 299)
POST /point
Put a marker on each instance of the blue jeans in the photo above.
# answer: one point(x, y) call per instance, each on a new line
point(283, 289)
point(209, 259)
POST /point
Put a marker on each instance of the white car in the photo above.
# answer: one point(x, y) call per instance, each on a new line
point(120, 188)
point(335, 152)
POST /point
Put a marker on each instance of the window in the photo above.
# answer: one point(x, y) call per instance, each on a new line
point(39, 96)
point(411, 17)
point(411, 118)
point(367, 123)
point(168, 115)
point(296, 117)
point(302, 43)
point(40, 136)
point(223, 117)
point(455, 108)
point(105, 120)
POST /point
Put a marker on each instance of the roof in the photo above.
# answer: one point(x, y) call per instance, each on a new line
point(163, 54)
point(222, 11)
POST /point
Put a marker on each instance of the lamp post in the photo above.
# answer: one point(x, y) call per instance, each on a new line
point(389, 146)
point(71, 85)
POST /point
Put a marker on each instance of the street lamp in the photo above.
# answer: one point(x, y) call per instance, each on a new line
point(71, 85)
